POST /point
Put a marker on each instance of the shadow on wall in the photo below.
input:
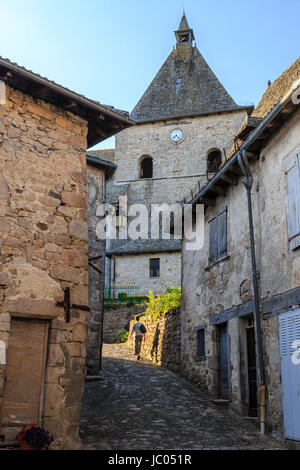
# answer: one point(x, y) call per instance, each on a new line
point(163, 343)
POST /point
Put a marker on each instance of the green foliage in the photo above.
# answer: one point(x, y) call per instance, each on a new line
point(159, 305)
point(123, 336)
point(122, 296)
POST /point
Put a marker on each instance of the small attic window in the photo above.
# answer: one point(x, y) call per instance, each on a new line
point(178, 80)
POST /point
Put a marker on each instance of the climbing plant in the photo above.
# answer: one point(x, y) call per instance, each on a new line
point(158, 305)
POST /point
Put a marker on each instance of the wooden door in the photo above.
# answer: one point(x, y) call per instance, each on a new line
point(224, 382)
point(252, 378)
point(26, 357)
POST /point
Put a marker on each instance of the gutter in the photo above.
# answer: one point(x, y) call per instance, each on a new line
point(248, 183)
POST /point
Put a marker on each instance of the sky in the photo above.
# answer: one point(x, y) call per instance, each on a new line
point(111, 50)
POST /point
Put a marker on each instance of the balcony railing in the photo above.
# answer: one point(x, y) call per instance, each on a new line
point(115, 294)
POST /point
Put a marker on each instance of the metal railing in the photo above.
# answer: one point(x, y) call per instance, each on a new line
point(114, 294)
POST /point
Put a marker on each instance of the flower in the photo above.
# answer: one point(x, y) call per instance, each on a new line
point(35, 435)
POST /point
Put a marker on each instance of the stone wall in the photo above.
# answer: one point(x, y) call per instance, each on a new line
point(134, 269)
point(96, 191)
point(116, 319)
point(163, 340)
point(207, 290)
point(43, 245)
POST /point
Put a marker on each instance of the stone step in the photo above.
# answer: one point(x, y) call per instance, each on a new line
point(93, 378)
point(221, 402)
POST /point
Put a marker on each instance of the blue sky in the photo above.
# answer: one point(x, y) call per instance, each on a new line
point(111, 50)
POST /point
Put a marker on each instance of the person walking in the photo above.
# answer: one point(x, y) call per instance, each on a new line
point(139, 331)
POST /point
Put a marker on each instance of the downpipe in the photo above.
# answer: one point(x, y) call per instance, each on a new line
point(248, 183)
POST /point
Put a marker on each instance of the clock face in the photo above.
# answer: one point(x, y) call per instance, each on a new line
point(176, 135)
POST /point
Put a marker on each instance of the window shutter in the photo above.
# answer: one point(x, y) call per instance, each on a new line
point(222, 234)
point(293, 172)
point(213, 240)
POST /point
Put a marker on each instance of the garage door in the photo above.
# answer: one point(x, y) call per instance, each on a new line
point(26, 355)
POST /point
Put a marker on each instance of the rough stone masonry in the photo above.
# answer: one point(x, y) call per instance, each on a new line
point(43, 247)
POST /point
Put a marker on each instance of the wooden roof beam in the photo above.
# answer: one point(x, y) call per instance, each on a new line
point(229, 179)
point(39, 92)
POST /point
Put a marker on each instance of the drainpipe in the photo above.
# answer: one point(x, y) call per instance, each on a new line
point(248, 182)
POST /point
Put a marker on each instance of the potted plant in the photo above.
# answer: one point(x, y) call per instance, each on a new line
point(34, 438)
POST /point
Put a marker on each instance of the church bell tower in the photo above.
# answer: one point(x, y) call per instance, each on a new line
point(184, 39)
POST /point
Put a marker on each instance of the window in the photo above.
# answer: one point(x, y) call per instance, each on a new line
point(154, 267)
point(214, 160)
point(293, 175)
point(200, 343)
point(184, 37)
point(218, 236)
point(146, 167)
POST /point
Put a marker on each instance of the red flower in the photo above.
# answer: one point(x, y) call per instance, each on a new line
point(32, 425)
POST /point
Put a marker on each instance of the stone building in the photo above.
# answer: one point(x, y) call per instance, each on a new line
point(184, 121)
point(98, 171)
point(44, 132)
point(240, 315)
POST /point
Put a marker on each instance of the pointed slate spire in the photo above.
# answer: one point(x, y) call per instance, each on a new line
point(184, 86)
point(184, 26)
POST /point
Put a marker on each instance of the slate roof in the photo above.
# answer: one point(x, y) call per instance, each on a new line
point(199, 93)
point(135, 247)
point(277, 90)
point(108, 167)
point(184, 26)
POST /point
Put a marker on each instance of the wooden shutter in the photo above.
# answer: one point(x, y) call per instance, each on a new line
point(222, 233)
point(213, 239)
point(293, 172)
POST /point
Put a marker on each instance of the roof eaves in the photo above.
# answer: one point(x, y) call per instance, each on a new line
point(256, 133)
point(108, 167)
point(249, 110)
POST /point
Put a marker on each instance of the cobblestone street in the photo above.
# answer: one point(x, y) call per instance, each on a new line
point(141, 406)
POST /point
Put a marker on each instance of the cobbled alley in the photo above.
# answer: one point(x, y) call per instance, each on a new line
point(139, 406)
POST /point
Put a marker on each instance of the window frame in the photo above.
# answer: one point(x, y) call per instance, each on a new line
point(293, 202)
point(208, 163)
point(200, 343)
point(142, 159)
point(219, 250)
point(158, 270)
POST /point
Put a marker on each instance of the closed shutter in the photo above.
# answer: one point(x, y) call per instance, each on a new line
point(222, 234)
point(293, 172)
point(213, 240)
point(289, 333)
